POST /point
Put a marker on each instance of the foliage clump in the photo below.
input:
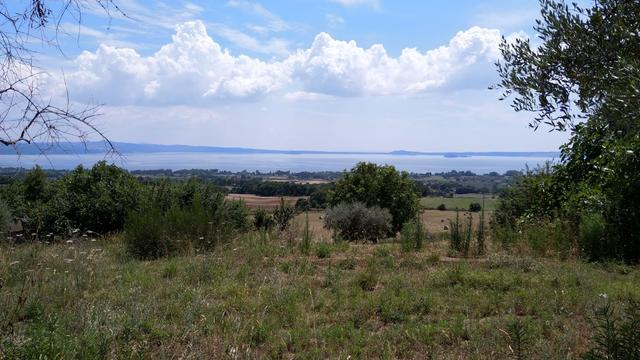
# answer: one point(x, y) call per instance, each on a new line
point(379, 186)
point(356, 221)
point(583, 78)
point(413, 235)
point(283, 214)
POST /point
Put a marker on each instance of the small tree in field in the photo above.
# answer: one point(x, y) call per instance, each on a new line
point(283, 215)
point(381, 186)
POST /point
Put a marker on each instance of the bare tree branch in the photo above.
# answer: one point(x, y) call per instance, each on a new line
point(26, 114)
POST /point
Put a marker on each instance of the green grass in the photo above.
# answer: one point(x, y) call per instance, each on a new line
point(461, 202)
point(251, 299)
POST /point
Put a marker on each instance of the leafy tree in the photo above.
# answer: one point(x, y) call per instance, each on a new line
point(99, 199)
point(584, 77)
point(381, 186)
point(35, 184)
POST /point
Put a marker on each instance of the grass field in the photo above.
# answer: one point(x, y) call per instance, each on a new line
point(461, 202)
point(263, 202)
point(260, 297)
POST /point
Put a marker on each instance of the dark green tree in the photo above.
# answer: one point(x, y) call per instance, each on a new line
point(584, 77)
point(381, 186)
point(35, 184)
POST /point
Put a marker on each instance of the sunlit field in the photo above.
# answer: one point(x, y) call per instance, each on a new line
point(260, 296)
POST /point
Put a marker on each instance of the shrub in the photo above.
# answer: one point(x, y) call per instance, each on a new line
point(442, 207)
point(5, 218)
point(616, 337)
point(153, 231)
point(367, 280)
point(412, 235)
point(305, 245)
point(146, 236)
point(237, 214)
point(379, 186)
point(592, 237)
point(460, 234)
point(357, 222)
point(475, 207)
point(262, 220)
point(283, 215)
point(323, 251)
point(303, 205)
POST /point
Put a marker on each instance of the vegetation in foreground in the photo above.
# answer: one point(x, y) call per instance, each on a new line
point(261, 296)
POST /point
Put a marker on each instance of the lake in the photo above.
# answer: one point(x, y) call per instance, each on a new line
point(285, 162)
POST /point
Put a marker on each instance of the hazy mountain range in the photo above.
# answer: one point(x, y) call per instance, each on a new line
point(130, 148)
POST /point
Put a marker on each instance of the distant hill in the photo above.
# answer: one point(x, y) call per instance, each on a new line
point(130, 148)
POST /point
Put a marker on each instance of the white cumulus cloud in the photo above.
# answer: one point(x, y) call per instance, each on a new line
point(193, 69)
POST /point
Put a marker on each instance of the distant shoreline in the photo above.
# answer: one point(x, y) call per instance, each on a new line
point(133, 148)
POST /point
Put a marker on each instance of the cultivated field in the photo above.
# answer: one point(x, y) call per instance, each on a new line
point(263, 202)
point(435, 222)
point(261, 297)
point(461, 202)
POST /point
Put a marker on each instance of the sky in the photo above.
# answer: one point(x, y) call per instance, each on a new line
point(361, 75)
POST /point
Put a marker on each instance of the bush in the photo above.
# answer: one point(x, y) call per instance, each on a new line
point(237, 214)
point(616, 337)
point(460, 234)
point(146, 235)
point(305, 245)
point(379, 186)
point(355, 222)
point(5, 218)
point(262, 220)
point(593, 237)
point(283, 215)
point(158, 230)
point(323, 251)
point(412, 235)
point(475, 207)
point(442, 207)
point(303, 205)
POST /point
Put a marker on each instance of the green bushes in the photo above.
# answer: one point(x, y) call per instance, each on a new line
point(475, 207)
point(356, 221)
point(262, 220)
point(460, 234)
point(152, 232)
point(5, 218)
point(593, 237)
point(412, 235)
point(379, 186)
point(97, 199)
point(283, 215)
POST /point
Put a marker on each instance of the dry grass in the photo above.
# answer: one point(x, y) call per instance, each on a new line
point(263, 202)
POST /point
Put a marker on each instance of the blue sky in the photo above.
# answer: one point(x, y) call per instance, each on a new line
point(309, 74)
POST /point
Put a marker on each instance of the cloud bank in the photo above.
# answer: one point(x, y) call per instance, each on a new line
point(194, 69)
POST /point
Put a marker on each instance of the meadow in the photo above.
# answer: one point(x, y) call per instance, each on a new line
point(260, 296)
